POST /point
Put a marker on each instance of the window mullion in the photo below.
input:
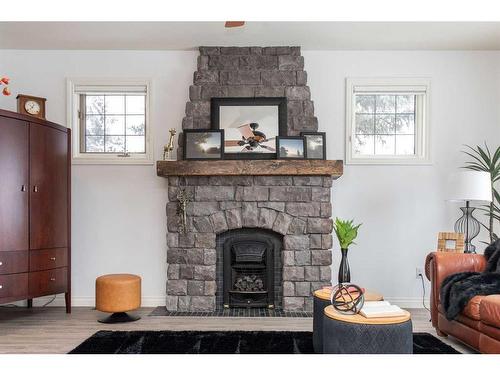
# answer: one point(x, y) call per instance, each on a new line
point(395, 124)
point(125, 124)
point(375, 125)
point(104, 123)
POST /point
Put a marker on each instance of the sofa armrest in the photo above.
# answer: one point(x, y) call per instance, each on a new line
point(447, 263)
point(439, 265)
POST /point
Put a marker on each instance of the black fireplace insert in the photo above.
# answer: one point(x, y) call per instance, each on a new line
point(249, 268)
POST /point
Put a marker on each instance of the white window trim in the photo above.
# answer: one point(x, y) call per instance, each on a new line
point(72, 105)
point(399, 84)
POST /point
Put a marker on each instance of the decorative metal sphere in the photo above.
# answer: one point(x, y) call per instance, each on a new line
point(347, 298)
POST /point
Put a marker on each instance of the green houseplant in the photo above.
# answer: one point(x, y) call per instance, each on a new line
point(484, 160)
point(346, 233)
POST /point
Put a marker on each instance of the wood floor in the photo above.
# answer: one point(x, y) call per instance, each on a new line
point(50, 330)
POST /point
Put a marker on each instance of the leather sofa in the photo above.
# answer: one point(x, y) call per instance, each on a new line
point(479, 323)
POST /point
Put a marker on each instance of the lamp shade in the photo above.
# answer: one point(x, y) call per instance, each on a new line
point(470, 186)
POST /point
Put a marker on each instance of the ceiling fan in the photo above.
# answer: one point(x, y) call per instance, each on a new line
point(251, 139)
point(232, 24)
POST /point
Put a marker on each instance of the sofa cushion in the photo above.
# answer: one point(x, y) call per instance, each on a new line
point(489, 310)
point(471, 310)
point(469, 322)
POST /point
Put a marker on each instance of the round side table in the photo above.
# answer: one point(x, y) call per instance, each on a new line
point(322, 300)
point(355, 334)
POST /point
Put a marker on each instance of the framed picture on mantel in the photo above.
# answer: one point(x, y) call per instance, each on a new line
point(315, 144)
point(203, 144)
point(251, 125)
point(291, 148)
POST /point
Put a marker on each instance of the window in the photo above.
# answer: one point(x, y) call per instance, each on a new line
point(387, 121)
point(110, 121)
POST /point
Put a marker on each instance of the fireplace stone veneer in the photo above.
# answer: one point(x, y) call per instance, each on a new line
point(298, 208)
point(271, 195)
point(247, 72)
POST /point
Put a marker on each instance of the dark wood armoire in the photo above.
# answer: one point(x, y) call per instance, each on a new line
point(35, 209)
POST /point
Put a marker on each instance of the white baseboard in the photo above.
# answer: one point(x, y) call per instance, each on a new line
point(409, 303)
point(153, 301)
point(147, 301)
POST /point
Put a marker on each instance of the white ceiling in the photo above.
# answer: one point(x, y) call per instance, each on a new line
point(308, 35)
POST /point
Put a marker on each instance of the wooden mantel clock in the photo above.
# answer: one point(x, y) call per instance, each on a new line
point(31, 105)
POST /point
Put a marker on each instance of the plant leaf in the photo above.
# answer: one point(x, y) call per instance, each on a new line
point(484, 155)
point(480, 162)
point(483, 160)
point(346, 232)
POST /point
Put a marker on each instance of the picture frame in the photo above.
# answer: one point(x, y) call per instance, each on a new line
point(451, 242)
point(318, 151)
point(291, 148)
point(251, 125)
point(203, 144)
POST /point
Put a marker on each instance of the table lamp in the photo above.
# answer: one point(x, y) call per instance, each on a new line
point(469, 186)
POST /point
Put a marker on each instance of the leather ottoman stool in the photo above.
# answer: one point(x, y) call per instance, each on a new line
point(322, 300)
point(355, 334)
point(117, 294)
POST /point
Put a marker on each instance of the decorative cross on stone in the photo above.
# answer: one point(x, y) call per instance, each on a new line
point(183, 198)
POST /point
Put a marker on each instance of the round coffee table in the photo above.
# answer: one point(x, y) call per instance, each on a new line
point(355, 334)
point(322, 300)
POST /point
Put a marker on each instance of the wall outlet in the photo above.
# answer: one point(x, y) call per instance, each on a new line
point(418, 272)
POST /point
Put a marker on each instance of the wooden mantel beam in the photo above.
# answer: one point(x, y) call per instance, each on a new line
point(279, 167)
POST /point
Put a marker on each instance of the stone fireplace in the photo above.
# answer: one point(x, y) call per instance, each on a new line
point(296, 208)
point(258, 231)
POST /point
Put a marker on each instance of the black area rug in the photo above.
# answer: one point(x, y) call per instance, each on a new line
point(223, 342)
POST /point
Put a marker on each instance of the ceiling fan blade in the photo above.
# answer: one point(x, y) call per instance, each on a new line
point(230, 24)
point(246, 131)
point(268, 148)
point(231, 143)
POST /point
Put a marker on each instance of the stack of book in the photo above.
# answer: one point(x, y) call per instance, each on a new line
point(380, 309)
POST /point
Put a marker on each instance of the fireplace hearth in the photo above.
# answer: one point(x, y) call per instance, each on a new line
point(249, 265)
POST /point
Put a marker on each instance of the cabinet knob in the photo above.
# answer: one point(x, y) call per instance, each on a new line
point(23, 188)
point(52, 279)
point(1, 263)
point(1, 286)
point(35, 188)
point(53, 258)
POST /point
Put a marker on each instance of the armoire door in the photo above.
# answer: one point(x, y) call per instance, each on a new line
point(14, 185)
point(48, 191)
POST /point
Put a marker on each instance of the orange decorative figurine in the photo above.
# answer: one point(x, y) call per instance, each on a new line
point(5, 81)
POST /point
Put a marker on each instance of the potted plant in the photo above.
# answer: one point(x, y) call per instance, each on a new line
point(346, 233)
point(484, 160)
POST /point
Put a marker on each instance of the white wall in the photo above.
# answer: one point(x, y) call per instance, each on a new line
point(403, 207)
point(119, 211)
